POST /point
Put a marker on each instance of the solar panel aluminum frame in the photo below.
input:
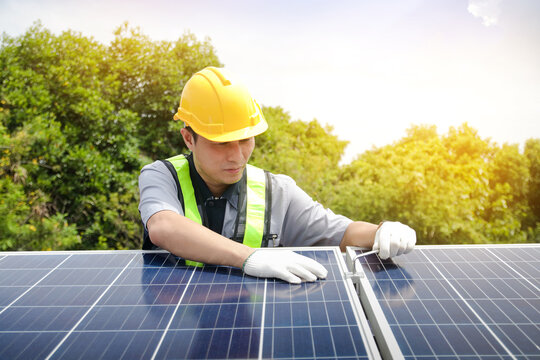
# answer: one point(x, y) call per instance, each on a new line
point(365, 329)
point(388, 345)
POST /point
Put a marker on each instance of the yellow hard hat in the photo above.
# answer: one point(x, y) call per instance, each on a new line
point(219, 109)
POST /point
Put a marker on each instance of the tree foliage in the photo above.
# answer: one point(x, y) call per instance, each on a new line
point(78, 119)
point(455, 188)
point(306, 151)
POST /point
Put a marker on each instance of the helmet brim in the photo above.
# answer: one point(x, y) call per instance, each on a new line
point(241, 134)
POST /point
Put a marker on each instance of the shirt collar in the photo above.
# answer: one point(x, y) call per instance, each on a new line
point(231, 193)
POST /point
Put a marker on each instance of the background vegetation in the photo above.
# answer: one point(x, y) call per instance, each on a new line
point(78, 119)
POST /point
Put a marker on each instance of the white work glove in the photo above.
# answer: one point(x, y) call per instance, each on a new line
point(393, 239)
point(283, 264)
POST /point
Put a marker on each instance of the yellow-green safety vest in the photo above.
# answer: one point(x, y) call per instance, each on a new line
point(256, 201)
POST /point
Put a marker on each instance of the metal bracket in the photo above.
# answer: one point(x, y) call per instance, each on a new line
point(355, 277)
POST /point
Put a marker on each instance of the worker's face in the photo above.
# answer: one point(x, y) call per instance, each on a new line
point(219, 164)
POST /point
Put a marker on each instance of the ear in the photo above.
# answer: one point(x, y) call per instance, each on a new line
point(188, 138)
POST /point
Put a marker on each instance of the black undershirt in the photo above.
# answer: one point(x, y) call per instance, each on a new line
point(213, 208)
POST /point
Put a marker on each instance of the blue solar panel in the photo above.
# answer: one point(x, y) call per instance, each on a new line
point(458, 302)
point(145, 305)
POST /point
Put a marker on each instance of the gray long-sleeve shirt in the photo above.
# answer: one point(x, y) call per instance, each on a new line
point(297, 220)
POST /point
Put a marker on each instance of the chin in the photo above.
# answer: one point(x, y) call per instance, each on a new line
point(232, 179)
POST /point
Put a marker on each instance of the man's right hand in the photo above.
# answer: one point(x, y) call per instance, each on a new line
point(393, 239)
point(283, 264)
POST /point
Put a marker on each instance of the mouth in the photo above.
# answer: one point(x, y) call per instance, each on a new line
point(234, 170)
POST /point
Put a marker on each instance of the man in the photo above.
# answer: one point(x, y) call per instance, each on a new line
point(211, 207)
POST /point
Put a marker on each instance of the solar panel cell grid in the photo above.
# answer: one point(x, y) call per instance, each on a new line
point(150, 305)
point(478, 302)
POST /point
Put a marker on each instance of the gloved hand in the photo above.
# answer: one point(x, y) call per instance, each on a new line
point(283, 264)
point(393, 239)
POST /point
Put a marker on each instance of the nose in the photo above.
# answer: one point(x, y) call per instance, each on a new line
point(234, 152)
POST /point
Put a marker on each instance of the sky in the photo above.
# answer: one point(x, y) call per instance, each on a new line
point(370, 69)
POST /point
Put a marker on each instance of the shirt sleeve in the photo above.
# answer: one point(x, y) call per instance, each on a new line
point(158, 191)
point(306, 221)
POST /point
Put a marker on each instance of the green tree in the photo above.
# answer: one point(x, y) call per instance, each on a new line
point(306, 151)
point(74, 116)
point(78, 119)
point(532, 220)
point(148, 78)
point(28, 220)
point(457, 188)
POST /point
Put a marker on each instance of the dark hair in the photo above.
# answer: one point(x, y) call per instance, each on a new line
point(193, 133)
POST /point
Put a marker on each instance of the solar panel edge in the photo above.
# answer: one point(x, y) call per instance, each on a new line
point(488, 246)
point(361, 319)
point(74, 252)
point(388, 345)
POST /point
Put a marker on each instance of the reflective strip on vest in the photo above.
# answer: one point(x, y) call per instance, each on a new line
point(255, 207)
point(181, 165)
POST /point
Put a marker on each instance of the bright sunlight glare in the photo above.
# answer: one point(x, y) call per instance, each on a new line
point(369, 69)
